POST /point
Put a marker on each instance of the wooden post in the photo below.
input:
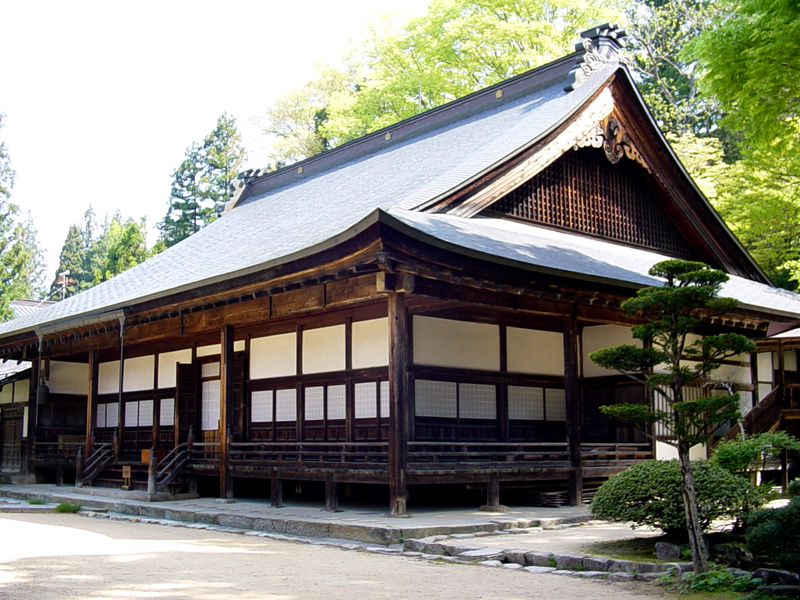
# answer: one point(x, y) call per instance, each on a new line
point(118, 442)
point(331, 494)
point(398, 406)
point(225, 403)
point(572, 391)
point(152, 472)
point(276, 490)
point(79, 468)
point(780, 376)
point(493, 491)
point(91, 400)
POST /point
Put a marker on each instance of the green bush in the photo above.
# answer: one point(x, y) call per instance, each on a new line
point(794, 488)
point(774, 533)
point(66, 507)
point(650, 493)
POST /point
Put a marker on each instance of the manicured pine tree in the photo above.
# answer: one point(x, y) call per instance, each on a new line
point(667, 362)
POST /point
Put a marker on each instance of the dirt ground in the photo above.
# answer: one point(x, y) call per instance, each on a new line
point(68, 557)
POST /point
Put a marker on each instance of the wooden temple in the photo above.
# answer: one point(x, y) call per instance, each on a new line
point(413, 308)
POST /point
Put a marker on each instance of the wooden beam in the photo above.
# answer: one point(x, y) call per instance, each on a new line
point(398, 405)
point(226, 389)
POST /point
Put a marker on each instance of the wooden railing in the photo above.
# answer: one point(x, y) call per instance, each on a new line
point(59, 452)
point(453, 454)
point(334, 454)
point(89, 469)
point(162, 474)
point(760, 418)
point(205, 453)
point(614, 453)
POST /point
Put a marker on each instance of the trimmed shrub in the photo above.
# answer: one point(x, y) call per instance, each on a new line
point(650, 493)
point(774, 533)
point(794, 488)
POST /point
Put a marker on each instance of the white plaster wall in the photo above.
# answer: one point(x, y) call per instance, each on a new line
point(667, 452)
point(22, 390)
point(790, 360)
point(323, 349)
point(599, 337)
point(273, 356)
point(7, 394)
point(139, 373)
point(459, 344)
point(371, 343)
point(108, 378)
point(763, 390)
point(764, 366)
point(25, 422)
point(533, 351)
point(167, 371)
point(68, 378)
point(209, 350)
point(733, 374)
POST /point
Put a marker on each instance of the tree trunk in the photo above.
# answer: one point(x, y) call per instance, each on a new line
point(695, 530)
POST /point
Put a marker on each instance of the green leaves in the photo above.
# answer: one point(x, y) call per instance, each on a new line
point(628, 358)
point(201, 184)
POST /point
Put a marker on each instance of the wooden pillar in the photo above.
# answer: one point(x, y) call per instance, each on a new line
point(398, 406)
point(572, 391)
point(493, 491)
point(121, 412)
point(331, 494)
point(276, 490)
point(502, 388)
point(91, 400)
point(780, 375)
point(225, 403)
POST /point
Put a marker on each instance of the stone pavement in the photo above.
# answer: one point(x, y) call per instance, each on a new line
point(362, 523)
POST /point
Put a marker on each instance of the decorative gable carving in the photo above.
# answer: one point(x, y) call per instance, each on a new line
point(594, 191)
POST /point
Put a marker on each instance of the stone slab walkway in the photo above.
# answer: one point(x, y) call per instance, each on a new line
point(353, 522)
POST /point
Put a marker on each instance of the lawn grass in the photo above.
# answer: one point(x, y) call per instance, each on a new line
point(636, 549)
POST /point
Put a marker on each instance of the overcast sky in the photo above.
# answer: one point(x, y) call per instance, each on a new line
point(102, 98)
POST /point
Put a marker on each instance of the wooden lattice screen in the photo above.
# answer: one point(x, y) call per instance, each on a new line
point(584, 192)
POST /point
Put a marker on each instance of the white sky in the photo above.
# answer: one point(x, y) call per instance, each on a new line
point(102, 98)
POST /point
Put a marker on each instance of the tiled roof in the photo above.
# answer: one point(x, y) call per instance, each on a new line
point(300, 217)
point(302, 209)
point(573, 256)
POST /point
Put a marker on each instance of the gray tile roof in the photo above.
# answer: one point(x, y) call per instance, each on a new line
point(291, 220)
point(293, 215)
point(570, 255)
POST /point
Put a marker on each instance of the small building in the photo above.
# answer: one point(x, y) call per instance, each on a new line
point(413, 308)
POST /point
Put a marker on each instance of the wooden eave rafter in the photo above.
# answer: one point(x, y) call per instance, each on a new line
point(615, 120)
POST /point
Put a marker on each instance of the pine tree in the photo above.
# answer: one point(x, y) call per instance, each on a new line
point(201, 184)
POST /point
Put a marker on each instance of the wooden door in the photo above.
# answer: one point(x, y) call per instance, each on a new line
point(188, 398)
point(11, 456)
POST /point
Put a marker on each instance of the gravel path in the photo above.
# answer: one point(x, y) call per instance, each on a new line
point(69, 557)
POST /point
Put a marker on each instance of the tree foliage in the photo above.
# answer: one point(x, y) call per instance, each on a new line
point(201, 184)
point(669, 360)
point(92, 254)
point(650, 494)
point(744, 456)
point(21, 261)
point(750, 61)
point(457, 47)
point(668, 80)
